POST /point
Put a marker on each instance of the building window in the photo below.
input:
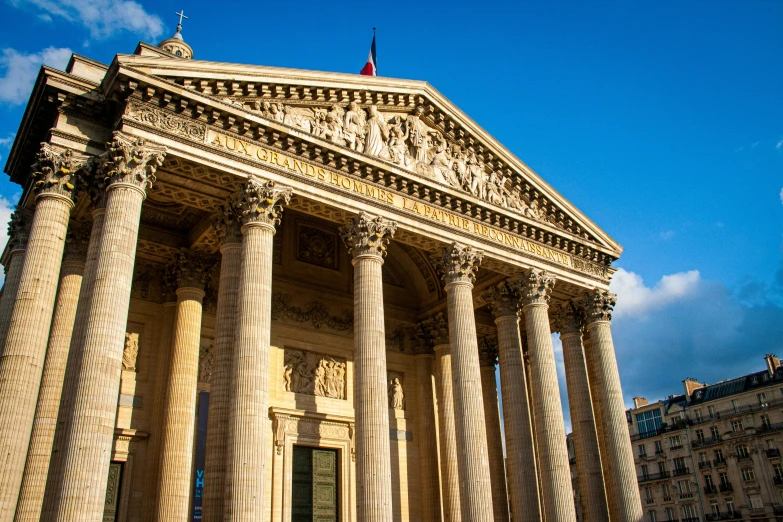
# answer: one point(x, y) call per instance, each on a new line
point(700, 435)
point(698, 415)
point(688, 512)
point(736, 425)
point(709, 482)
point(649, 422)
point(748, 474)
point(724, 479)
point(651, 516)
point(648, 494)
point(765, 420)
point(645, 473)
point(735, 405)
point(742, 451)
point(669, 514)
point(778, 470)
point(658, 447)
point(679, 466)
point(762, 397)
point(755, 502)
point(703, 457)
point(642, 450)
point(684, 487)
point(730, 506)
point(715, 509)
point(711, 411)
point(662, 468)
point(674, 442)
point(719, 456)
point(714, 432)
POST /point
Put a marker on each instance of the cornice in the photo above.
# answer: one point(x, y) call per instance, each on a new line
point(244, 80)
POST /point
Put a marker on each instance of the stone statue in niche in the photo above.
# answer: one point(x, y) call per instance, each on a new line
point(408, 141)
point(205, 360)
point(314, 374)
point(396, 395)
point(130, 352)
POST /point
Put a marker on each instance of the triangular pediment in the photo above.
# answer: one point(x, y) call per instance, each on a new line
point(407, 124)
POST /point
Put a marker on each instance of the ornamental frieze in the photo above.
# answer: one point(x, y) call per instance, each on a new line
point(411, 205)
point(145, 113)
point(311, 373)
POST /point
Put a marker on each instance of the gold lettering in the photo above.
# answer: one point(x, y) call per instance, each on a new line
point(342, 182)
point(287, 163)
point(370, 191)
point(416, 208)
point(299, 166)
point(390, 198)
point(261, 153)
point(321, 174)
point(242, 145)
point(216, 141)
point(231, 145)
point(358, 187)
point(334, 178)
point(273, 158)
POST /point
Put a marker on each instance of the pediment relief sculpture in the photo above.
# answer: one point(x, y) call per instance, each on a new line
point(131, 352)
point(407, 141)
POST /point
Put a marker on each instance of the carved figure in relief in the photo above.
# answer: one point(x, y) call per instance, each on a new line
point(313, 374)
point(333, 131)
point(353, 130)
point(396, 395)
point(398, 149)
point(205, 360)
point(294, 119)
point(130, 352)
point(377, 135)
point(441, 164)
point(419, 135)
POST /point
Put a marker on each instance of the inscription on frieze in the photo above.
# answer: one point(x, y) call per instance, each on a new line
point(410, 205)
point(313, 373)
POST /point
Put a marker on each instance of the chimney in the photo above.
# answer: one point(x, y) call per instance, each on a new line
point(690, 385)
point(638, 402)
point(772, 363)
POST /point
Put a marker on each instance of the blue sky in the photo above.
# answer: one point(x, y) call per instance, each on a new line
point(661, 121)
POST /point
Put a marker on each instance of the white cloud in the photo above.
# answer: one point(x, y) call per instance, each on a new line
point(634, 299)
point(102, 18)
point(667, 235)
point(781, 195)
point(779, 145)
point(22, 69)
point(7, 141)
point(6, 209)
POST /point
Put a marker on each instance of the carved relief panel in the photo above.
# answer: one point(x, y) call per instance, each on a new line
point(313, 373)
point(316, 245)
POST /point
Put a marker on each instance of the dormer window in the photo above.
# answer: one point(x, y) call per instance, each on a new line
point(178, 52)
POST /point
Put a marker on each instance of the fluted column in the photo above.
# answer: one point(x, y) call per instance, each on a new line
point(618, 460)
point(520, 446)
point(152, 473)
point(556, 490)
point(366, 237)
point(97, 191)
point(21, 363)
point(459, 264)
point(39, 453)
point(129, 165)
point(259, 208)
point(18, 232)
point(488, 356)
point(449, 467)
point(427, 441)
point(588, 457)
point(227, 227)
point(188, 273)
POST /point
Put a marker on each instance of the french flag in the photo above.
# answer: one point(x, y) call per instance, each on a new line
point(371, 67)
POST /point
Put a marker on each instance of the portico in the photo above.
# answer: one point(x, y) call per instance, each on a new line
point(299, 260)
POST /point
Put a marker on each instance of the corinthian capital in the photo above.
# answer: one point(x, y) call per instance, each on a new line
point(436, 328)
point(598, 305)
point(261, 201)
point(188, 270)
point(459, 263)
point(567, 319)
point(535, 286)
point(367, 235)
point(488, 351)
point(77, 240)
point(132, 161)
point(19, 229)
point(503, 300)
point(227, 224)
point(58, 172)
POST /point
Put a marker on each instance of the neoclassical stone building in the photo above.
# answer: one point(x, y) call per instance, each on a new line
point(246, 293)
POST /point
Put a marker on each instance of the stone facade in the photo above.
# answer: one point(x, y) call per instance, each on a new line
point(282, 261)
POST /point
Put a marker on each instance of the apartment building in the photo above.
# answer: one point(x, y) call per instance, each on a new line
point(712, 452)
